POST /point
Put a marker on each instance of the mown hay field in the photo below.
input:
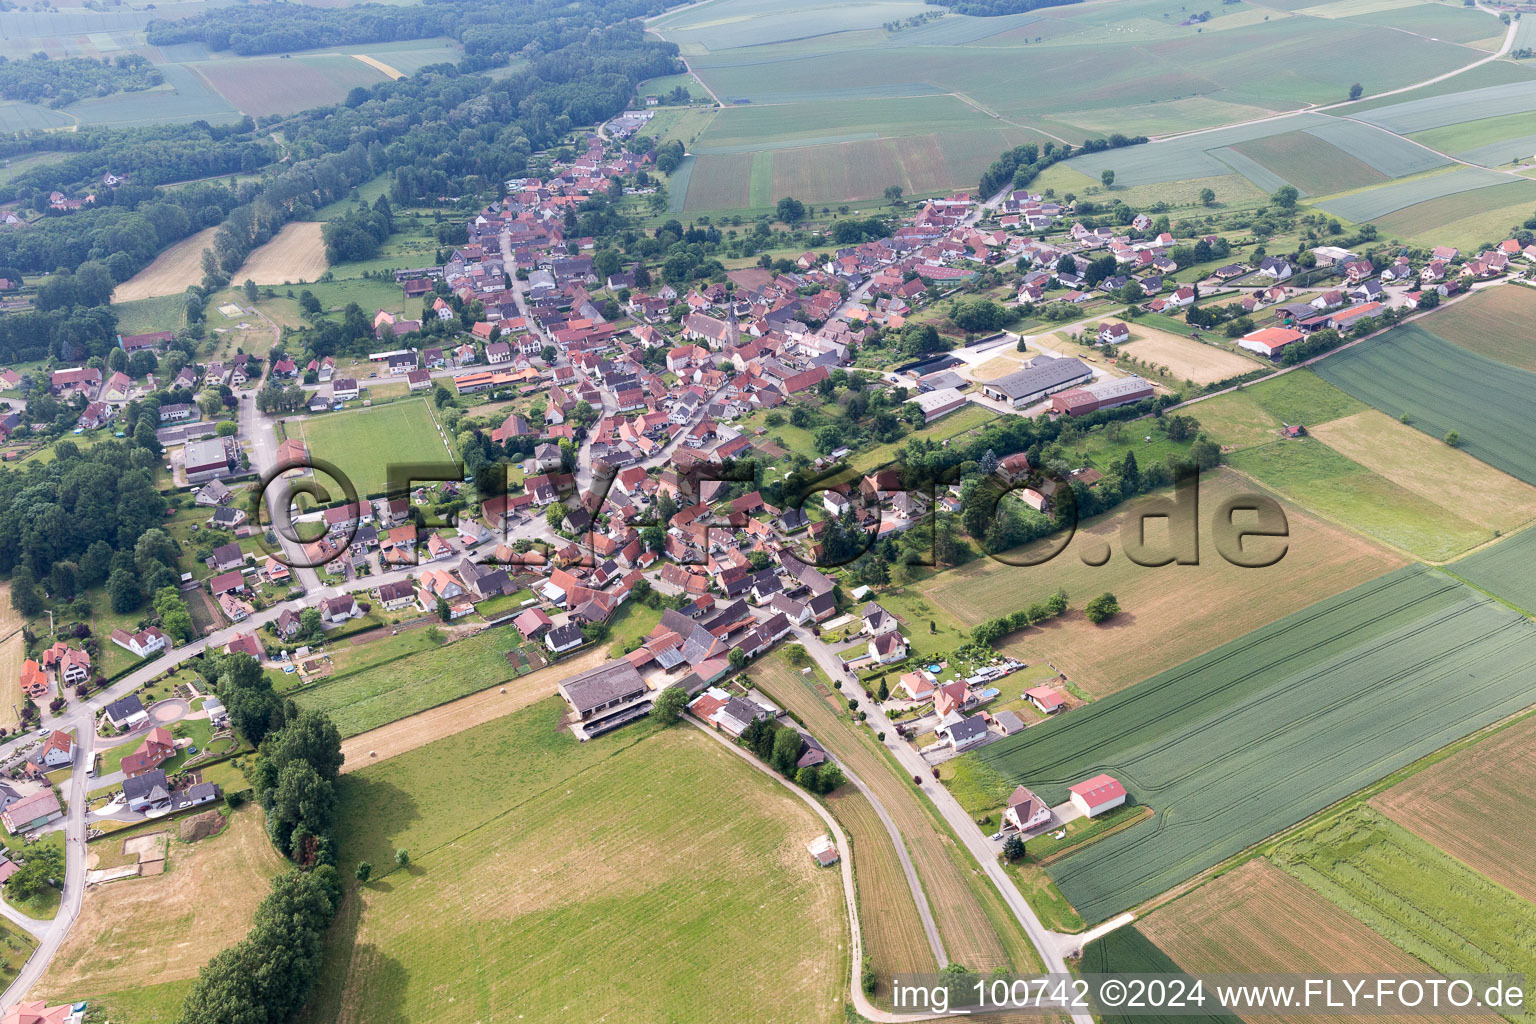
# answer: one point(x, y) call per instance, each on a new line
point(1442, 387)
point(1320, 478)
point(1186, 358)
point(1263, 731)
point(1170, 613)
point(1426, 902)
point(296, 253)
point(13, 652)
point(1499, 323)
point(1257, 919)
point(551, 869)
point(1475, 805)
point(171, 273)
point(1432, 470)
point(139, 942)
point(974, 925)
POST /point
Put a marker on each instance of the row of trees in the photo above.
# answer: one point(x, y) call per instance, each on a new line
point(1020, 165)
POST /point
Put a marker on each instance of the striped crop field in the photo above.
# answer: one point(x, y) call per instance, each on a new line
point(1443, 387)
point(1260, 733)
point(1384, 199)
point(1426, 902)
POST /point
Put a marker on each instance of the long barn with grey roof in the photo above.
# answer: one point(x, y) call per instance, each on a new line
point(1042, 377)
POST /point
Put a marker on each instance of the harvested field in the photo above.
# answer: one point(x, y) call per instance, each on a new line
point(12, 653)
point(139, 942)
point(976, 928)
point(1429, 904)
point(10, 618)
point(456, 716)
point(1443, 387)
point(1423, 465)
point(1262, 732)
point(296, 254)
point(273, 85)
point(893, 933)
point(1160, 626)
point(1185, 358)
point(1475, 805)
point(379, 65)
point(550, 853)
point(1499, 323)
point(1257, 919)
point(171, 272)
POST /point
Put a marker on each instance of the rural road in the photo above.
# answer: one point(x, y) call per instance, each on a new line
point(1053, 947)
point(1509, 40)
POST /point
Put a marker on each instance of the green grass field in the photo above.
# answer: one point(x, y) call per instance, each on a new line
point(1424, 901)
point(549, 872)
point(376, 693)
point(1466, 219)
point(1408, 114)
point(1442, 387)
point(1372, 203)
point(1263, 731)
point(1504, 570)
point(1317, 477)
point(364, 443)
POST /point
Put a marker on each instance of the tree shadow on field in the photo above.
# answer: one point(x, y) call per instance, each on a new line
point(374, 814)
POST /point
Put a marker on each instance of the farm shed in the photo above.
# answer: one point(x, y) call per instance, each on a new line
point(602, 688)
point(1268, 341)
point(1104, 394)
point(1099, 794)
point(1043, 377)
point(938, 403)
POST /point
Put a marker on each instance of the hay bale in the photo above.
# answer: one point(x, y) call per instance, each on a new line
point(201, 826)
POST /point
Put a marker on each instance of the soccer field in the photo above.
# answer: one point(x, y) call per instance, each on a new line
point(366, 442)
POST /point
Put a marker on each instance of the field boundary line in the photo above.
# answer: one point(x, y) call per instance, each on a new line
point(903, 855)
point(1264, 847)
point(850, 892)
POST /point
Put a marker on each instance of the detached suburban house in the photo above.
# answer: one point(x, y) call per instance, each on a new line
point(1025, 811)
point(127, 712)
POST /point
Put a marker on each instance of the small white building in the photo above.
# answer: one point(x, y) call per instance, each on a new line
point(1099, 794)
